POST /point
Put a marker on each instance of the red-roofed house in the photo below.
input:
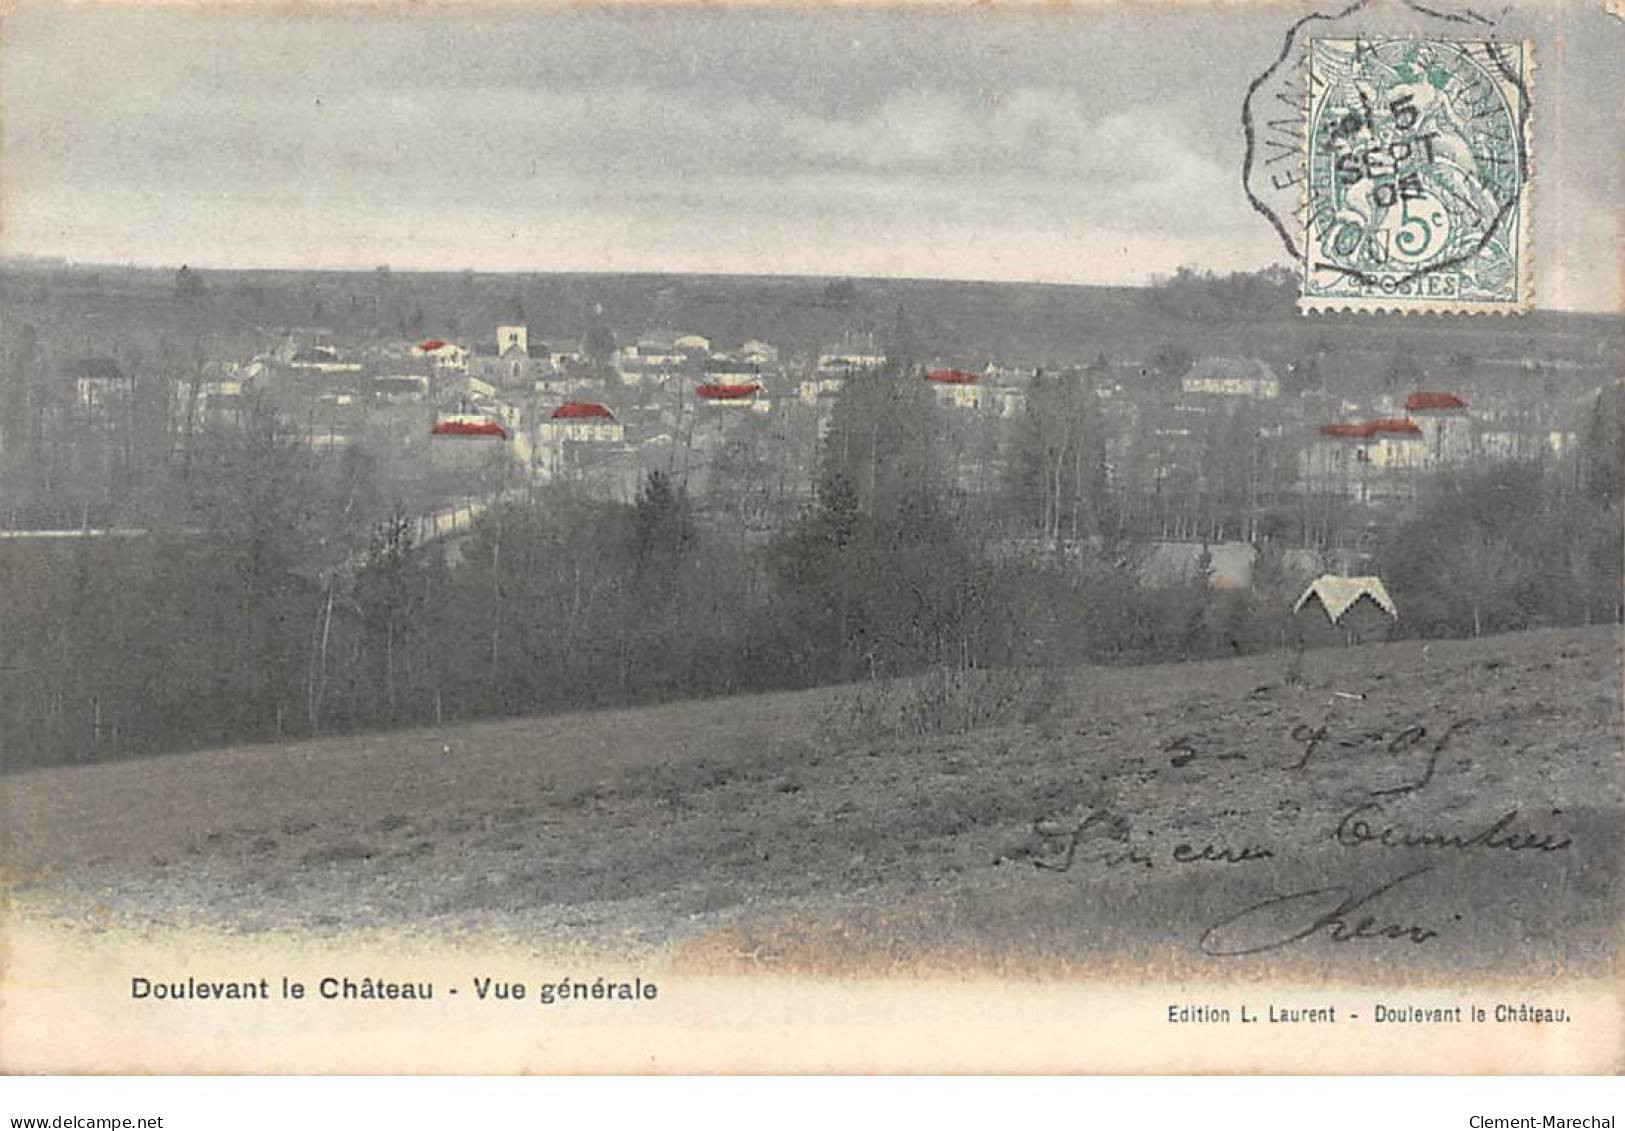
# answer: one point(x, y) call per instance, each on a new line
point(571, 424)
point(579, 422)
point(1394, 446)
point(961, 388)
point(468, 424)
point(444, 354)
point(734, 394)
point(1447, 429)
point(730, 392)
point(957, 387)
point(577, 410)
point(1434, 402)
point(1368, 460)
point(466, 441)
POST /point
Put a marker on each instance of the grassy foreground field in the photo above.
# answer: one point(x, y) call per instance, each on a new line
point(1012, 822)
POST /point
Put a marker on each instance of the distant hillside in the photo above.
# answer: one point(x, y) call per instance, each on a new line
point(1013, 323)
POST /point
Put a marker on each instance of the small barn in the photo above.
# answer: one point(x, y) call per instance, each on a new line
point(1344, 610)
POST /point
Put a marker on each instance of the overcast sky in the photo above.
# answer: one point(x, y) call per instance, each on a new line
point(1077, 147)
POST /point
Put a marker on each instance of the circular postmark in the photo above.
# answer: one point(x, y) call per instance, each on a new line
point(1386, 145)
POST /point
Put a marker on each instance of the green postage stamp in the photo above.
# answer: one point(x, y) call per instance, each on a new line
point(1417, 176)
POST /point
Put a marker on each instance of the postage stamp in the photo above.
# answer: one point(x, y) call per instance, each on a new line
point(1417, 176)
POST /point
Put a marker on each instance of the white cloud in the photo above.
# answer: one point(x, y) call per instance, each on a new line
point(970, 148)
point(1042, 131)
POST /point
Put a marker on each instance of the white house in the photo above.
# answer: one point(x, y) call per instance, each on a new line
point(652, 352)
point(1231, 377)
point(823, 387)
point(563, 354)
point(97, 381)
point(400, 388)
point(848, 363)
point(1447, 429)
point(324, 360)
point(759, 352)
point(731, 371)
point(443, 354)
point(567, 383)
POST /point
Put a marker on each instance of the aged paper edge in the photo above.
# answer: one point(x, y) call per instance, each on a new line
point(65, 1007)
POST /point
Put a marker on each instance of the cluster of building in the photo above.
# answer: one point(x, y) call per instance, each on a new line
point(517, 408)
point(1386, 458)
point(1377, 459)
point(1313, 443)
point(545, 411)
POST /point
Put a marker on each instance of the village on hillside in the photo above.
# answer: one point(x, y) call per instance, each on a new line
point(1192, 449)
point(436, 524)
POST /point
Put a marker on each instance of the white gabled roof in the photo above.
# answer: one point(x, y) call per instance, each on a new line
point(1338, 594)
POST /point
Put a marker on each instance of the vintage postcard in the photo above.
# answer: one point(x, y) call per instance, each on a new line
point(627, 538)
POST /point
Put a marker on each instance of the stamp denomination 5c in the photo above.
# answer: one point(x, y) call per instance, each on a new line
point(1417, 171)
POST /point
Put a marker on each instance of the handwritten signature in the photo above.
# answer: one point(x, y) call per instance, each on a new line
point(1365, 825)
point(1106, 825)
point(1101, 823)
point(1282, 920)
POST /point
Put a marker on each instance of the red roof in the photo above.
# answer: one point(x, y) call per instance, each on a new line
point(726, 392)
point(951, 377)
point(431, 344)
point(1434, 402)
point(581, 410)
point(1370, 428)
point(467, 427)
